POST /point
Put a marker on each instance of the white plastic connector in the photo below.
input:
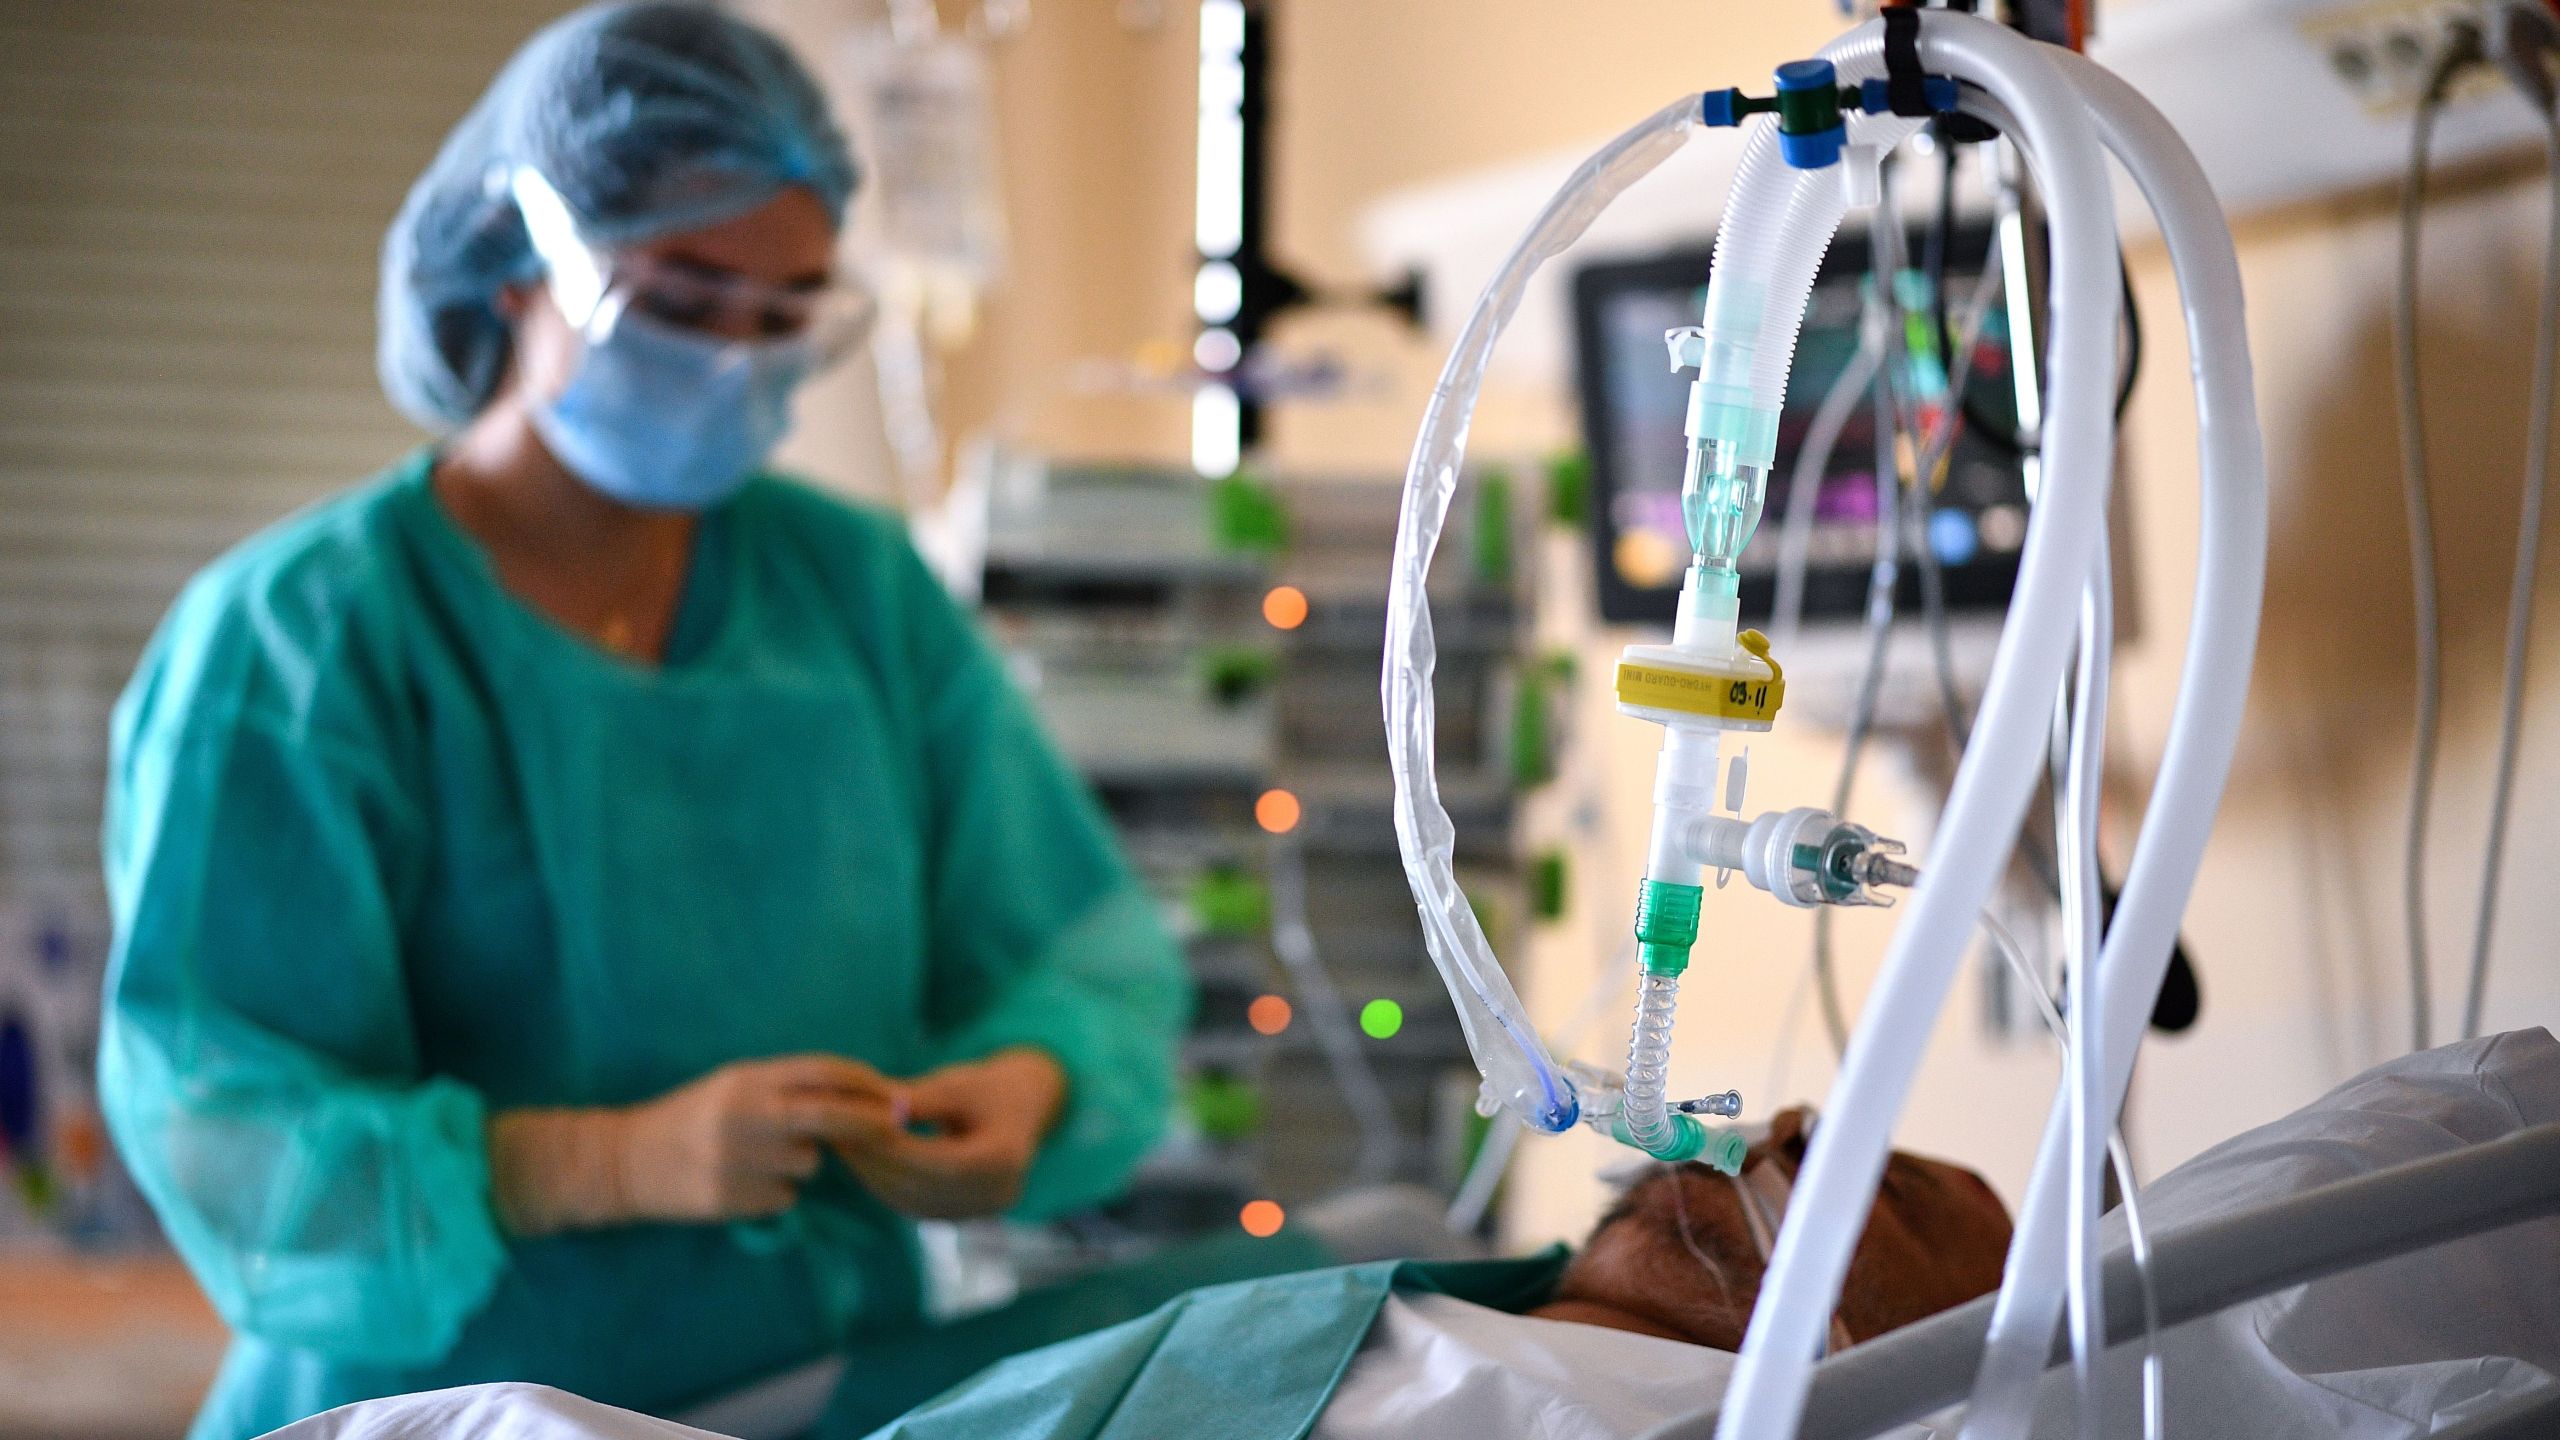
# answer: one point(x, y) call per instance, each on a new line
point(1684, 794)
point(1862, 176)
point(1790, 854)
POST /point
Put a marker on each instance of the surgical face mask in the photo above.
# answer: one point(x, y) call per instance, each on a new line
point(669, 408)
point(670, 419)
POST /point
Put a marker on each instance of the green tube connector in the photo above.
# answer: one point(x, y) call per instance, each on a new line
point(1667, 924)
point(1720, 1148)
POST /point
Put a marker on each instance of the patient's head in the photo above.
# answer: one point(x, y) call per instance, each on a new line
point(1676, 1256)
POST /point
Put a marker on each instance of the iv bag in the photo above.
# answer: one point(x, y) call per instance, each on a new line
point(923, 117)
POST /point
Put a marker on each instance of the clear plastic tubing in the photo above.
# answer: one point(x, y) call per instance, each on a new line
point(2204, 727)
point(1647, 1122)
point(1518, 1071)
point(1992, 786)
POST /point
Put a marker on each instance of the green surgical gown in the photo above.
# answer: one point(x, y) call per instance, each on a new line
point(389, 852)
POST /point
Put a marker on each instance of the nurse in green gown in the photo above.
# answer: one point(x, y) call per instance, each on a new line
point(579, 896)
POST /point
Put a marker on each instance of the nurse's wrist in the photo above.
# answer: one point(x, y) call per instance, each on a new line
point(557, 1169)
point(1041, 1076)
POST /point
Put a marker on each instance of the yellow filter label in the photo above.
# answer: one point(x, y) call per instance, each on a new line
point(1693, 692)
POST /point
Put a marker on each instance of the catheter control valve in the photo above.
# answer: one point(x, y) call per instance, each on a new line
point(1805, 857)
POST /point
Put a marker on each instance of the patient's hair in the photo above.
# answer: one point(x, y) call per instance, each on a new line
point(1675, 1255)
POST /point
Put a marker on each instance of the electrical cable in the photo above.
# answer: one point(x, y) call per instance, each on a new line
point(2463, 49)
point(2422, 542)
point(2000, 435)
point(1933, 582)
point(1804, 485)
point(1884, 578)
point(2537, 452)
point(1782, 1055)
point(1373, 1115)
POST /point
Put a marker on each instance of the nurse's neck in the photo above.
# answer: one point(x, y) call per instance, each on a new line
point(607, 572)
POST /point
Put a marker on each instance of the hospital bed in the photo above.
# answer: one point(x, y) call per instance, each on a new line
point(2202, 1268)
point(2388, 1252)
point(2198, 1270)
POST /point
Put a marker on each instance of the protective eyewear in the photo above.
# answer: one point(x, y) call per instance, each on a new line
point(595, 288)
point(828, 318)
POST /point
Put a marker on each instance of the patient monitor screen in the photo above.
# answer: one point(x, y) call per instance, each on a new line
point(1633, 406)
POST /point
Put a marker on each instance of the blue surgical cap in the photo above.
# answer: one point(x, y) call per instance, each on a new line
point(648, 118)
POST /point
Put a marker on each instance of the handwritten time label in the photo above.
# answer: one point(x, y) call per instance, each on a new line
point(1725, 697)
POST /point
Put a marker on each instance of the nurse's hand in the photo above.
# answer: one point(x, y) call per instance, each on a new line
point(981, 1122)
point(735, 1144)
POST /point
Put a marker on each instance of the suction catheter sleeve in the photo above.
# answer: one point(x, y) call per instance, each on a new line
point(1519, 1073)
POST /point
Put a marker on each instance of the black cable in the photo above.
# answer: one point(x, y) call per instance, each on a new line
point(2002, 435)
point(2180, 998)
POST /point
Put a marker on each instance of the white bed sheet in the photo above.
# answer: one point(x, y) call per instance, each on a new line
point(1437, 1366)
point(486, 1412)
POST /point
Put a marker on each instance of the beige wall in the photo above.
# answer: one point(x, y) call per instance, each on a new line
point(1094, 118)
point(2296, 922)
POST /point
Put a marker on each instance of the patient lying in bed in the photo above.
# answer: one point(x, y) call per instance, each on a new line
point(1655, 1302)
point(1679, 1256)
point(1632, 1327)
point(1636, 1326)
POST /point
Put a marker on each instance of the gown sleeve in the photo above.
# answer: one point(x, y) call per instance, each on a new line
point(1039, 932)
point(258, 1065)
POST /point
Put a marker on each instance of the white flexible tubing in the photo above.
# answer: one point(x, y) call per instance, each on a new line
point(2084, 915)
point(1988, 801)
point(1777, 223)
point(2204, 725)
point(1517, 1068)
point(1804, 489)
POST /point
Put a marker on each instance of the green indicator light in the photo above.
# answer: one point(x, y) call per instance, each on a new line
point(1381, 1019)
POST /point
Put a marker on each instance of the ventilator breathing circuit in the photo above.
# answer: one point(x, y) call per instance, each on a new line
point(1711, 678)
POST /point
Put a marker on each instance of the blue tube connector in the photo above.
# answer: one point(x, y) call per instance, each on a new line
point(1811, 132)
point(1811, 105)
